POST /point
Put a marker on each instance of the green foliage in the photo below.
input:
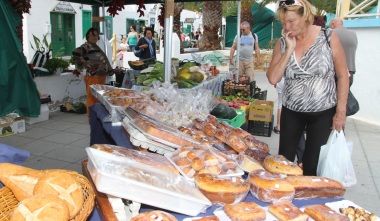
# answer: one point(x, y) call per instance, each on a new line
point(54, 63)
point(194, 6)
point(229, 8)
point(41, 45)
point(324, 6)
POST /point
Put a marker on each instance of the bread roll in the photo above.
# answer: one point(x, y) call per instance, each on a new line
point(314, 186)
point(207, 218)
point(279, 164)
point(324, 213)
point(21, 180)
point(41, 208)
point(286, 211)
point(155, 215)
point(249, 164)
point(270, 187)
point(222, 190)
point(64, 186)
point(245, 211)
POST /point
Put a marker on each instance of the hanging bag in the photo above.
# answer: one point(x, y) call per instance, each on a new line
point(352, 104)
point(335, 160)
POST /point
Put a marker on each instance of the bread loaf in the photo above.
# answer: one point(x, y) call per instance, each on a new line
point(324, 213)
point(286, 211)
point(245, 211)
point(64, 186)
point(207, 218)
point(279, 164)
point(270, 187)
point(21, 180)
point(222, 190)
point(314, 186)
point(41, 208)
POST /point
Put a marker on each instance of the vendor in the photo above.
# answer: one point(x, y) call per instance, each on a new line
point(92, 61)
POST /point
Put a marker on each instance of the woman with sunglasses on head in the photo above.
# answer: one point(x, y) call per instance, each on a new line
point(312, 61)
point(91, 60)
point(133, 37)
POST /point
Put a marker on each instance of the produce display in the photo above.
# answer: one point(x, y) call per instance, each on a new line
point(236, 101)
point(157, 74)
point(190, 75)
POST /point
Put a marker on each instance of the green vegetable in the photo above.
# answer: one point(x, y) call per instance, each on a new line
point(224, 112)
point(189, 64)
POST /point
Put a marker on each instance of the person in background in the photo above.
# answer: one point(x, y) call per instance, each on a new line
point(147, 45)
point(309, 58)
point(248, 44)
point(93, 62)
point(349, 42)
point(121, 51)
point(133, 37)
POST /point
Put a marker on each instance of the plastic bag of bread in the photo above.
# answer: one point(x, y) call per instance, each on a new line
point(152, 160)
point(222, 190)
point(285, 211)
point(245, 211)
point(269, 187)
point(155, 215)
point(324, 213)
point(279, 164)
point(202, 160)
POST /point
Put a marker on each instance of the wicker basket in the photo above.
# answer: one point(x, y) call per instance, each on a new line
point(8, 201)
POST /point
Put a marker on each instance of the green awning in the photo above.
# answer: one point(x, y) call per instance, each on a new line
point(18, 92)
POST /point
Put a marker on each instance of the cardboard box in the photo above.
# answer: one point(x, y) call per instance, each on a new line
point(261, 111)
point(11, 124)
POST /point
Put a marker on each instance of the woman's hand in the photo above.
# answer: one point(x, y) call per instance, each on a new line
point(290, 42)
point(143, 46)
point(339, 120)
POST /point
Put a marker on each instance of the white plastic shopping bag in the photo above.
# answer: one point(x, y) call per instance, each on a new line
point(335, 160)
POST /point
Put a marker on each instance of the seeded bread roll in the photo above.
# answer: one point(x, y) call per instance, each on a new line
point(286, 211)
point(324, 213)
point(222, 190)
point(41, 208)
point(270, 187)
point(279, 164)
point(245, 211)
point(21, 180)
point(314, 186)
point(64, 186)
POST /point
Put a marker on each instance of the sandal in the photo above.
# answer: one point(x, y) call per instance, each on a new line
point(276, 130)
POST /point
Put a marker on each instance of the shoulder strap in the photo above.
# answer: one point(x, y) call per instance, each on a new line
point(327, 39)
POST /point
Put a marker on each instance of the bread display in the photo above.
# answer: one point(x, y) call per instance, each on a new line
point(269, 187)
point(155, 215)
point(120, 92)
point(314, 186)
point(279, 164)
point(21, 180)
point(201, 160)
point(324, 213)
point(120, 101)
point(245, 211)
point(222, 190)
point(286, 211)
point(354, 213)
point(41, 208)
point(150, 159)
point(64, 186)
point(256, 153)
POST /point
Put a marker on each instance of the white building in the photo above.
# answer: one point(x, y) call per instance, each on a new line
point(67, 23)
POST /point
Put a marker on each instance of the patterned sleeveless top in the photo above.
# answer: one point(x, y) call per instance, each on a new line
point(310, 84)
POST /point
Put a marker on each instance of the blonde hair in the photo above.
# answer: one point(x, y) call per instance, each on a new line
point(306, 11)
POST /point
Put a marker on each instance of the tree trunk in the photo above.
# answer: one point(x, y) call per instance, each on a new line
point(246, 11)
point(212, 21)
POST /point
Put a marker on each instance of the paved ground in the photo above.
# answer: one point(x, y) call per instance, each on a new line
point(60, 142)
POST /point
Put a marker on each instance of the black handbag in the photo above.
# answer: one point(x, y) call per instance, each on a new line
point(352, 104)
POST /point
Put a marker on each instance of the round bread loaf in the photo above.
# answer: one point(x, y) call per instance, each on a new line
point(245, 211)
point(155, 215)
point(270, 187)
point(279, 164)
point(42, 208)
point(222, 190)
point(64, 186)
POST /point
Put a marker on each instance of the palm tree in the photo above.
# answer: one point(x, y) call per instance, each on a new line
point(212, 21)
point(246, 11)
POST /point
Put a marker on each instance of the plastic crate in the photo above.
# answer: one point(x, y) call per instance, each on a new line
point(237, 121)
point(261, 128)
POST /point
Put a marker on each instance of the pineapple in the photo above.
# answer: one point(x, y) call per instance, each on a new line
point(212, 21)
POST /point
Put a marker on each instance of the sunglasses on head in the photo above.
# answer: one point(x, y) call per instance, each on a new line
point(284, 3)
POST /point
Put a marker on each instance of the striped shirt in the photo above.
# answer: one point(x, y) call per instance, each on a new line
point(310, 84)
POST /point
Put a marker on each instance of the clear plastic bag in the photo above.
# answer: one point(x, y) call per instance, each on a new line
point(335, 160)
